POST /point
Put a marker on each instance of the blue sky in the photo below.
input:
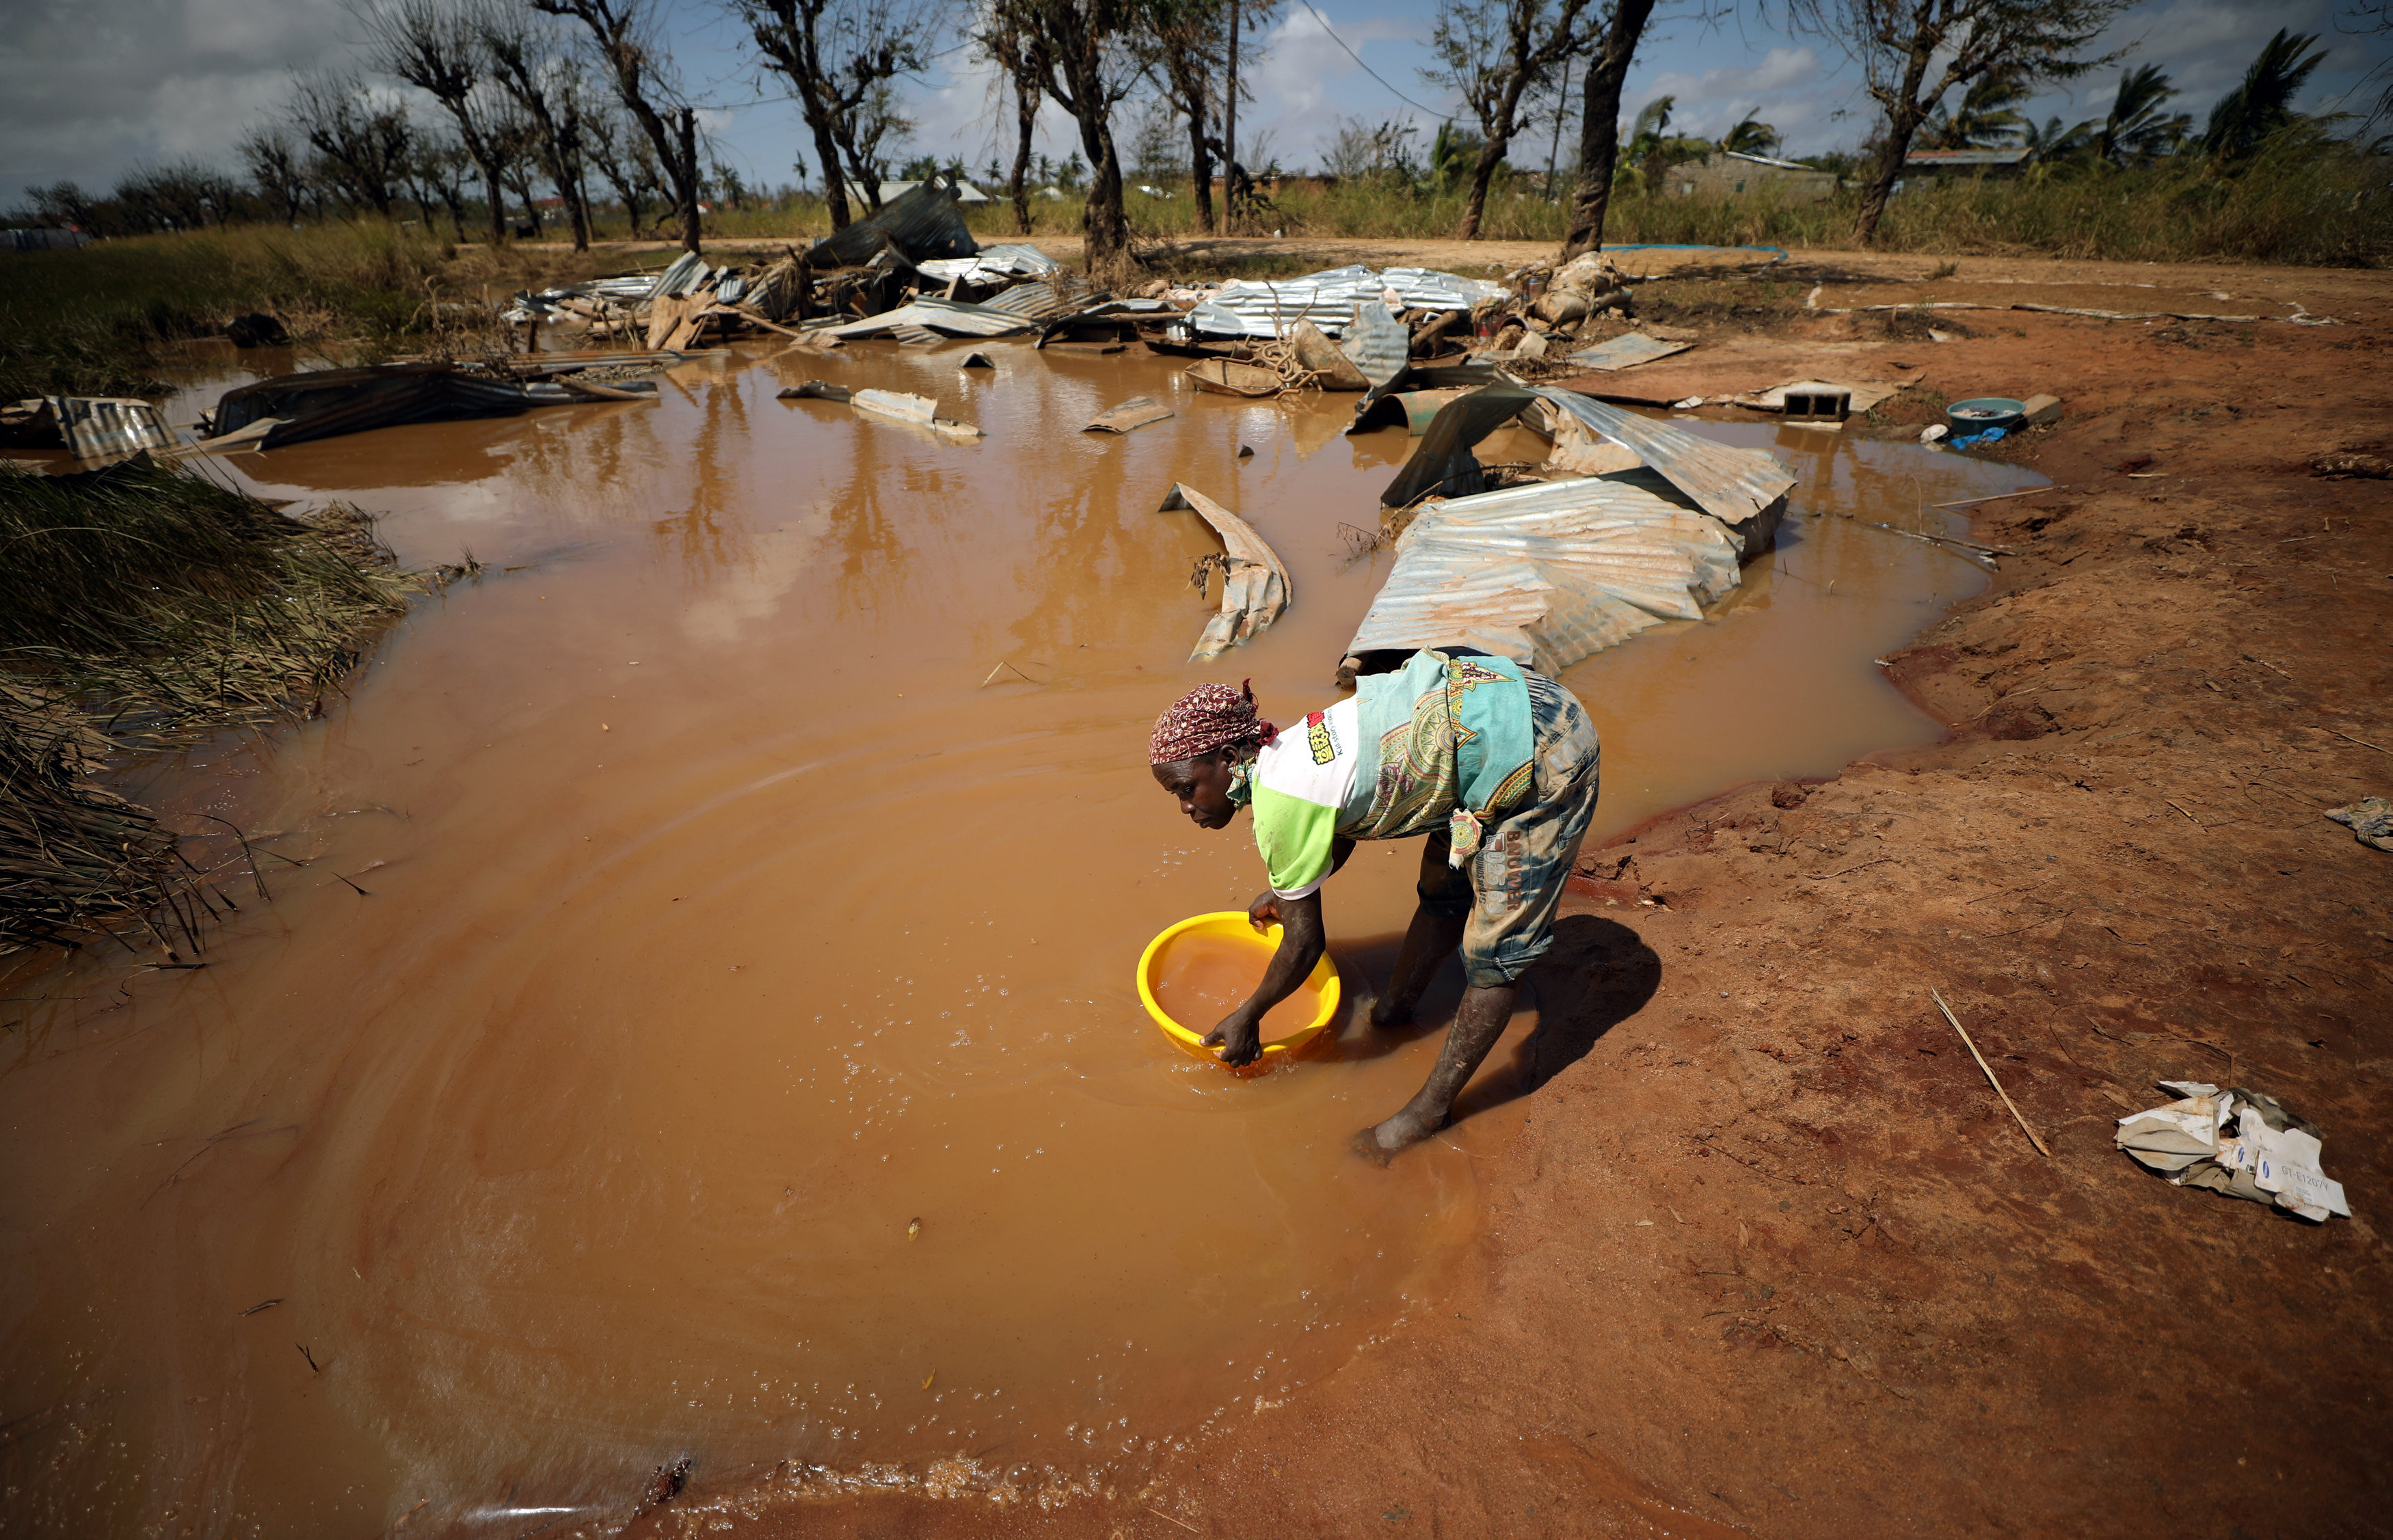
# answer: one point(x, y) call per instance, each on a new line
point(90, 89)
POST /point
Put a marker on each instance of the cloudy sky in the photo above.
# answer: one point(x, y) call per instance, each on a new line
point(90, 88)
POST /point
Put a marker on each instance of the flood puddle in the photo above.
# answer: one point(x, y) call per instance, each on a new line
point(705, 1020)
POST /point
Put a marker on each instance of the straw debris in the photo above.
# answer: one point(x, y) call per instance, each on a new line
point(147, 606)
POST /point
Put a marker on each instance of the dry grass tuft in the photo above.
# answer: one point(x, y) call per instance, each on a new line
point(149, 607)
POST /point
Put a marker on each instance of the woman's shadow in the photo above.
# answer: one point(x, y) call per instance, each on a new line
point(1599, 973)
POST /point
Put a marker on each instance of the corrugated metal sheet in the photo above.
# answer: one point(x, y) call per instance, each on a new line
point(1547, 574)
point(686, 276)
point(1626, 351)
point(1255, 588)
point(333, 401)
point(1267, 308)
point(1743, 488)
point(924, 223)
point(98, 425)
point(1061, 295)
point(994, 264)
point(952, 316)
point(1377, 343)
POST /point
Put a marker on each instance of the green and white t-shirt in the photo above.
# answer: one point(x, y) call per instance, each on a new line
point(1299, 783)
point(1385, 763)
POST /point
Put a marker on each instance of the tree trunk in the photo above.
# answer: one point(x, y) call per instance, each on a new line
point(498, 196)
point(684, 176)
point(1883, 175)
point(1200, 162)
point(1104, 221)
point(1598, 127)
point(1491, 155)
point(1230, 129)
point(834, 180)
point(1026, 114)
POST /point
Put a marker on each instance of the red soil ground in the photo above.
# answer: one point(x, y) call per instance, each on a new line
point(1765, 1254)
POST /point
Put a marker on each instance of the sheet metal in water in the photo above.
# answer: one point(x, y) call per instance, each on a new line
point(1267, 308)
point(1254, 586)
point(1061, 295)
point(1547, 574)
point(98, 425)
point(954, 318)
point(1737, 487)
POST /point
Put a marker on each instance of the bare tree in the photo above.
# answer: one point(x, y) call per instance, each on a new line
point(621, 32)
point(431, 45)
point(999, 34)
point(840, 57)
point(1912, 52)
point(626, 159)
point(1494, 53)
point(862, 133)
point(529, 63)
point(1599, 122)
point(1090, 55)
point(274, 170)
point(363, 146)
point(437, 170)
point(516, 141)
point(1192, 39)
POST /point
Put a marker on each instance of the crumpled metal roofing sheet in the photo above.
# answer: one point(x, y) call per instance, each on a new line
point(1254, 585)
point(1626, 351)
point(1547, 574)
point(1267, 308)
point(1737, 487)
point(686, 276)
point(1061, 296)
point(924, 222)
point(949, 316)
point(1377, 343)
point(994, 264)
point(98, 425)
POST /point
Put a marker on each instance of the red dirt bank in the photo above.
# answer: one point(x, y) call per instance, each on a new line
point(1767, 1256)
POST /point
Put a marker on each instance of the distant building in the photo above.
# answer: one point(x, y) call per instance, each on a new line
point(43, 240)
point(1727, 173)
point(1995, 162)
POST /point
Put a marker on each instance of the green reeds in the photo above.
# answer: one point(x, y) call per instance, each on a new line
point(141, 607)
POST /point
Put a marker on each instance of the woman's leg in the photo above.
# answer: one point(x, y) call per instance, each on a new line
point(1435, 932)
point(1517, 878)
point(1477, 1025)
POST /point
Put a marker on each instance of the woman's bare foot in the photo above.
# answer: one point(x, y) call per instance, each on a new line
point(1388, 1010)
point(1384, 1141)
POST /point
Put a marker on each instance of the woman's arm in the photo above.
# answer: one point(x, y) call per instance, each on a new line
point(1301, 941)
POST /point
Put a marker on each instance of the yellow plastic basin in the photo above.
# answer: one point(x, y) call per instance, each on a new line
point(1230, 928)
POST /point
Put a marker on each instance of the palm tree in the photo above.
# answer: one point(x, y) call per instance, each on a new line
point(2053, 144)
point(1989, 115)
point(1751, 138)
point(2264, 103)
point(2135, 130)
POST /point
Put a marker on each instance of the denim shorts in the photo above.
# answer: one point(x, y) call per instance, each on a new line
point(1512, 886)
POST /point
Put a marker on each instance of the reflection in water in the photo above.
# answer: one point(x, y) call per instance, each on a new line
point(722, 917)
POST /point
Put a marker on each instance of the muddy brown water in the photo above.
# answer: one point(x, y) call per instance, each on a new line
point(752, 864)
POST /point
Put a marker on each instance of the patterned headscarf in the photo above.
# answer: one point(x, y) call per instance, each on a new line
point(1208, 717)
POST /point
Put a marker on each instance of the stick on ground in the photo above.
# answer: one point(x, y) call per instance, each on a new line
point(1990, 1074)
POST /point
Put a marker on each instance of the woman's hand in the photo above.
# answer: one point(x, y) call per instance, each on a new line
point(1239, 1037)
point(1264, 913)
